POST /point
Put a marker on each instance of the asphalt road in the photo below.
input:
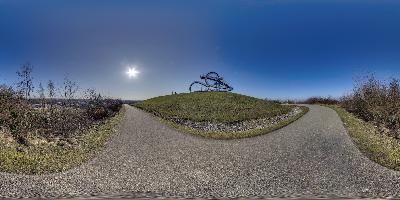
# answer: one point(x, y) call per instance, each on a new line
point(313, 156)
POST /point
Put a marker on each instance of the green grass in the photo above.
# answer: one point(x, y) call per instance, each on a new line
point(212, 106)
point(236, 135)
point(220, 107)
point(378, 147)
point(49, 159)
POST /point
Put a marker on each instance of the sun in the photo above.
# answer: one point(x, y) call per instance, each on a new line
point(132, 72)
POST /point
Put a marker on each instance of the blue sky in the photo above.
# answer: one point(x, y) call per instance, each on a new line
point(264, 48)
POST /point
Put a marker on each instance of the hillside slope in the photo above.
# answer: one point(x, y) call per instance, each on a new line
point(222, 107)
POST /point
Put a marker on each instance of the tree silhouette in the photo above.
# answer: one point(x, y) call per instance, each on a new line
point(42, 96)
point(25, 85)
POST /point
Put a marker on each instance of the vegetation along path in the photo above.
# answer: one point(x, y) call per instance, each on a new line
point(312, 156)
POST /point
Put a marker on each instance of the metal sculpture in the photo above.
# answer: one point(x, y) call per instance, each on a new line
point(212, 82)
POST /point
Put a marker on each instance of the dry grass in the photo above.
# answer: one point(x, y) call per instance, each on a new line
point(52, 134)
point(47, 157)
point(378, 147)
point(20, 120)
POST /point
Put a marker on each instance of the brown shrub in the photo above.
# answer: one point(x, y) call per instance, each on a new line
point(14, 115)
point(99, 107)
point(62, 122)
point(21, 120)
point(377, 102)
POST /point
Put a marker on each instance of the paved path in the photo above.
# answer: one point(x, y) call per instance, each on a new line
point(313, 155)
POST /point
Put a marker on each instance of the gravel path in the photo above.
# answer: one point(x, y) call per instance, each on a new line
point(312, 156)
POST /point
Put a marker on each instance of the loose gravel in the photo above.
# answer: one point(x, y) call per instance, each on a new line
point(312, 156)
point(237, 126)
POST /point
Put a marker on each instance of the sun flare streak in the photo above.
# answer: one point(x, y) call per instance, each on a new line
point(132, 72)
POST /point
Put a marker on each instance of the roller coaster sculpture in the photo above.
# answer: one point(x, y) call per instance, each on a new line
point(212, 82)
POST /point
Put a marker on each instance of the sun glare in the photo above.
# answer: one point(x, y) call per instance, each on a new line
point(132, 72)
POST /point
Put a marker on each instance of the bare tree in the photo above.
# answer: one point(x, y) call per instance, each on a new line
point(51, 89)
point(70, 89)
point(25, 85)
point(42, 96)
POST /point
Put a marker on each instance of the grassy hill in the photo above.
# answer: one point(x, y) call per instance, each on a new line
point(218, 107)
point(212, 106)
